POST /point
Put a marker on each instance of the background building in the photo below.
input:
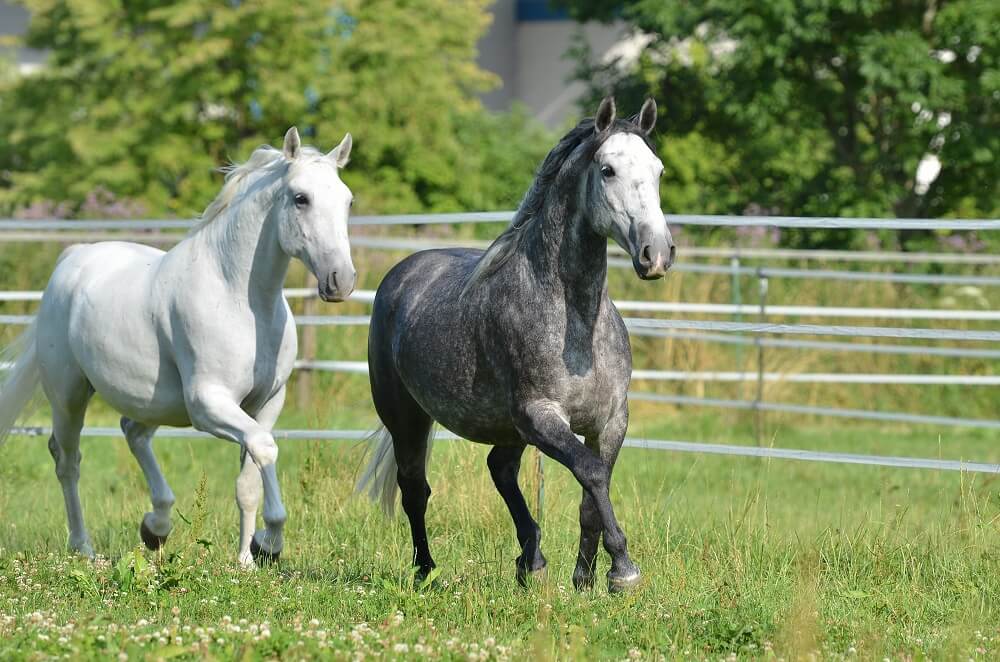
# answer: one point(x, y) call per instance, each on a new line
point(526, 47)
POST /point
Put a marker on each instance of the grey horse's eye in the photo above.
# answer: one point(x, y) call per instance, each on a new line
point(301, 199)
point(607, 172)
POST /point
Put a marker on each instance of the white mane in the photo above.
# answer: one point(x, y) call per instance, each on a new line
point(264, 160)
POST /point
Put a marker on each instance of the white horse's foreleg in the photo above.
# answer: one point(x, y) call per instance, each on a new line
point(250, 485)
point(212, 409)
point(64, 445)
point(156, 525)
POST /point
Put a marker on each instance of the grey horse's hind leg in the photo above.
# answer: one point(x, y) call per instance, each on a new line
point(607, 444)
point(409, 426)
point(504, 463)
point(410, 447)
point(542, 424)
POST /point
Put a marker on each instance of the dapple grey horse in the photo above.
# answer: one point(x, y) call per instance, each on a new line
point(521, 345)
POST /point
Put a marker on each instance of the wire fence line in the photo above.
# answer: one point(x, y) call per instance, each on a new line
point(630, 442)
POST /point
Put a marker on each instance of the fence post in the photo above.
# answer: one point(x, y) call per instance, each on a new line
point(734, 263)
point(307, 350)
point(758, 412)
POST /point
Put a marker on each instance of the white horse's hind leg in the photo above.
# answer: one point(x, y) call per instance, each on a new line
point(64, 445)
point(156, 525)
point(249, 492)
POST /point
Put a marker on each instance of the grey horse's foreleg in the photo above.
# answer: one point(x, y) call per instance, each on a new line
point(504, 463)
point(607, 444)
point(543, 424)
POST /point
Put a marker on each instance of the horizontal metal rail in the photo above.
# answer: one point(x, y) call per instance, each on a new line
point(507, 216)
point(643, 324)
point(814, 329)
point(361, 367)
point(368, 296)
point(821, 345)
point(864, 414)
point(630, 442)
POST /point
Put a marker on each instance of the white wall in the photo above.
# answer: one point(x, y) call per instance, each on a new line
point(14, 21)
point(530, 59)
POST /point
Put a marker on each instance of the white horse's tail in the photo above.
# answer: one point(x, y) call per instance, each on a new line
point(379, 478)
point(18, 379)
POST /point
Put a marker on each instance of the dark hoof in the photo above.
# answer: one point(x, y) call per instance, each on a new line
point(150, 539)
point(624, 582)
point(583, 582)
point(421, 573)
point(529, 576)
point(263, 557)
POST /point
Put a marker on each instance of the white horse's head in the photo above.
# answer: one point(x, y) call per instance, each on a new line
point(625, 190)
point(313, 215)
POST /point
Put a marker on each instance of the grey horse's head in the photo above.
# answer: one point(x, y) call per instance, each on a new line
point(623, 192)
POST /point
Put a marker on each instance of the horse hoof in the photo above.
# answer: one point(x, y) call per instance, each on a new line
point(151, 540)
point(420, 574)
point(583, 582)
point(624, 582)
point(529, 576)
point(262, 556)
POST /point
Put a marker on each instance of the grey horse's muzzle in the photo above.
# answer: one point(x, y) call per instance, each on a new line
point(655, 255)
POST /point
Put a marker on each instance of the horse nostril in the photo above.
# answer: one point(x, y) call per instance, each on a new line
point(644, 258)
point(673, 254)
point(331, 281)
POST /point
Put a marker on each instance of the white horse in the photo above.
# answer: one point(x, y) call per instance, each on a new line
point(200, 335)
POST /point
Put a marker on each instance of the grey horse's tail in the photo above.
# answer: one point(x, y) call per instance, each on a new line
point(379, 477)
point(19, 379)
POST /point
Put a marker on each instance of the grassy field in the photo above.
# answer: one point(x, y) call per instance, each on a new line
point(744, 557)
point(741, 557)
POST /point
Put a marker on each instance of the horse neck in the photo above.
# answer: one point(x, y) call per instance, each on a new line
point(245, 244)
point(568, 257)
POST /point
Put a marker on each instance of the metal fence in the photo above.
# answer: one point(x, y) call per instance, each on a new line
point(710, 331)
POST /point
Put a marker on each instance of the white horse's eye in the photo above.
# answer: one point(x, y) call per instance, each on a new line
point(301, 199)
point(607, 172)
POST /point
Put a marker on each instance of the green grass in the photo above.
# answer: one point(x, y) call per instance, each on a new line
point(740, 556)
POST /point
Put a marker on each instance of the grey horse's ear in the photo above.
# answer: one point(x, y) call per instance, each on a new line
point(605, 115)
point(341, 154)
point(292, 144)
point(647, 116)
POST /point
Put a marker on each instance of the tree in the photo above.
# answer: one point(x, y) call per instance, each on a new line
point(819, 107)
point(144, 100)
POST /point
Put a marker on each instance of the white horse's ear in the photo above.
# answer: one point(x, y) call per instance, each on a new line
point(341, 154)
point(605, 115)
point(292, 144)
point(647, 116)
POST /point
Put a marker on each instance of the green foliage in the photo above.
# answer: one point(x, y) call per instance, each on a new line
point(141, 102)
point(815, 108)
